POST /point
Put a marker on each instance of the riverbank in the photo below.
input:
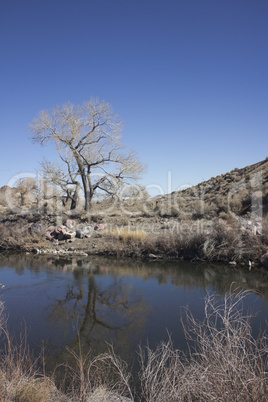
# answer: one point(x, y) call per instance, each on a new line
point(229, 241)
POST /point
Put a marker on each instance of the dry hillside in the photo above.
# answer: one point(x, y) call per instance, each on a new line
point(238, 192)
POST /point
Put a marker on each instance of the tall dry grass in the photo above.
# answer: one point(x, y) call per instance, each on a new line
point(126, 234)
point(101, 378)
point(24, 379)
point(224, 363)
point(221, 242)
point(20, 377)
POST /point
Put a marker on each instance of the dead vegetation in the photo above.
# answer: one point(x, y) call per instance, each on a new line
point(190, 240)
point(216, 240)
point(222, 219)
point(22, 232)
point(224, 362)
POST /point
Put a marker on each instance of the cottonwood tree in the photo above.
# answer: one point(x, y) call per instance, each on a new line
point(27, 188)
point(66, 181)
point(88, 140)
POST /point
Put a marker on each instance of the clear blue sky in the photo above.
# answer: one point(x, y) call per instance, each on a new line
point(188, 77)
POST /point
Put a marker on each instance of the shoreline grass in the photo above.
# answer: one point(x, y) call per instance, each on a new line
point(215, 240)
point(224, 362)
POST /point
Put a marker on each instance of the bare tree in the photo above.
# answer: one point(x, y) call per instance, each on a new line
point(27, 187)
point(87, 138)
point(67, 182)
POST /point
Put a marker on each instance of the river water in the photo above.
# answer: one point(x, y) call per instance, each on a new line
point(90, 302)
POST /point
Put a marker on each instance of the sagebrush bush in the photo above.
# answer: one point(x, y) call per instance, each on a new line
point(17, 237)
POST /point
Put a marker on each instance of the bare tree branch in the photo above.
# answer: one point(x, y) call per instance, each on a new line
point(87, 138)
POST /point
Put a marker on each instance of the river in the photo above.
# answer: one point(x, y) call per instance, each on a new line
point(87, 303)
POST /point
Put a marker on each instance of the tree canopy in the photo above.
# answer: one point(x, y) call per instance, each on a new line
point(88, 140)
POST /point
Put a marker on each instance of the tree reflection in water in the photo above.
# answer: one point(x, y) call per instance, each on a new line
point(99, 314)
point(83, 304)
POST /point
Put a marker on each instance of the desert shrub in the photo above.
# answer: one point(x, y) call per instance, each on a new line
point(265, 190)
point(184, 239)
point(227, 242)
point(210, 210)
point(225, 216)
point(21, 235)
point(222, 204)
point(12, 237)
point(235, 204)
point(173, 212)
point(222, 242)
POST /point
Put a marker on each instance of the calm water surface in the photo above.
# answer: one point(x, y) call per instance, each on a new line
point(98, 300)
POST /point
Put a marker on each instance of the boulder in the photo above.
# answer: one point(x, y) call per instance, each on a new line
point(60, 229)
point(79, 234)
point(70, 234)
point(50, 235)
point(86, 231)
point(69, 224)
point(60, 233)
point(61, 236)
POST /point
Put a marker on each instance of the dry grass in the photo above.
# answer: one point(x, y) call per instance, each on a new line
point(22, 233)
point(191, 240)
point(20, 379)
point(127, 234)
point(230, 243)
point(214, 240)
point(221, 242)
point(224, 363)
point(105, 375)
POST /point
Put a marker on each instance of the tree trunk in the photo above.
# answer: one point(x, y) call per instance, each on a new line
point(87, 192)
point(74, 202)
point(87, 201)
point(86, 183)
point(75, 196)
point(66, 198)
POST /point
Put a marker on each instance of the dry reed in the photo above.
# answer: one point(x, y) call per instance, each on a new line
point(224, 363)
